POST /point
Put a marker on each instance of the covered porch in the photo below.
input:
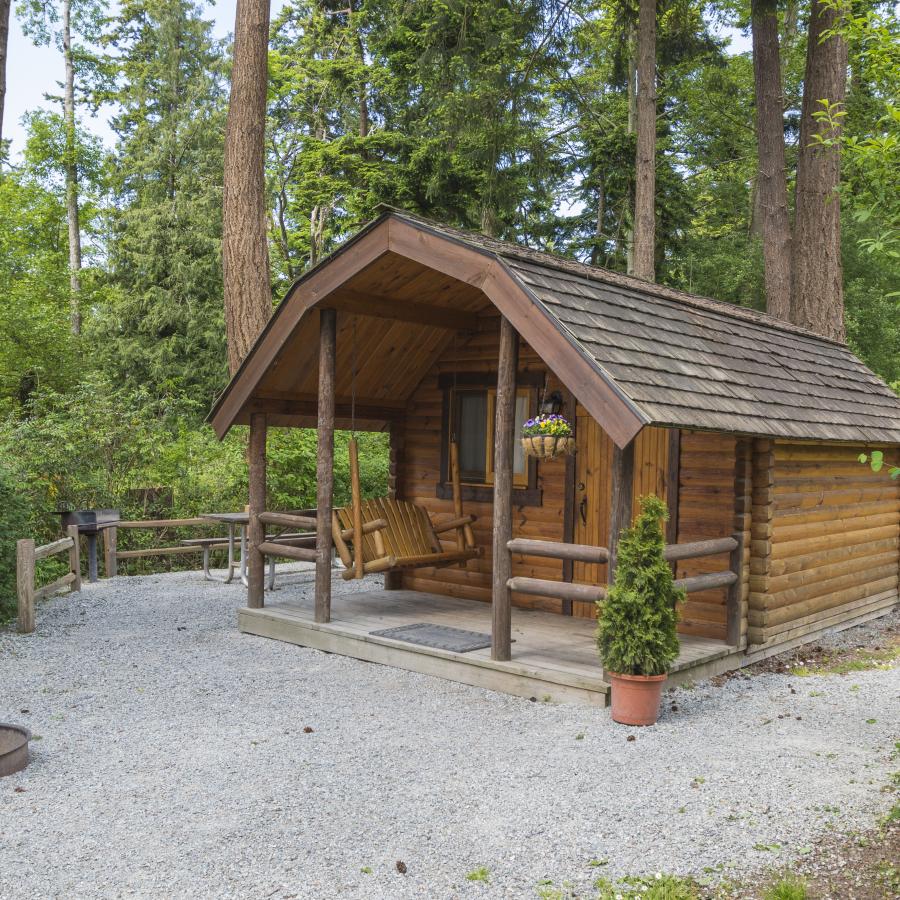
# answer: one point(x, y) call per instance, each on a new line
point(553, 659)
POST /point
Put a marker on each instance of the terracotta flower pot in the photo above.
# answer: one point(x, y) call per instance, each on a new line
point(548, 446)
point(635, 698)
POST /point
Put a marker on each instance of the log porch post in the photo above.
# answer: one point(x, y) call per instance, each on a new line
point(504, 436)
point(325, 462)
point(621, 505)
point(393, 579)
point(256, 531)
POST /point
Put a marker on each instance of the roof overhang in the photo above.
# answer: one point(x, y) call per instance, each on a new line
point(321, 288)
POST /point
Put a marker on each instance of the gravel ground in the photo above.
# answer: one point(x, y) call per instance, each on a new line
point(178, 758)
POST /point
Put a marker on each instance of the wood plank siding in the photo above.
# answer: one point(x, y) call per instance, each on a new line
point(825, 545)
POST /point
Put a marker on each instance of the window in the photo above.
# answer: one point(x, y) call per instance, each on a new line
point(473, 412)
point(467, 413)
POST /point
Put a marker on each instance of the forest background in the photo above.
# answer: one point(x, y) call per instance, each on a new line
point(514, 117)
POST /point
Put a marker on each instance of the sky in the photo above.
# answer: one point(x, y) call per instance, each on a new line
point(33, 72)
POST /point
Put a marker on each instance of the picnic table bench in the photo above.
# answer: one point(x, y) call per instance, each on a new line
point(237, 532)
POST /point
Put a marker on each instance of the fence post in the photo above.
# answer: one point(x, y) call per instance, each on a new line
point(75, 556)
point(110, 563)
point(25, 584)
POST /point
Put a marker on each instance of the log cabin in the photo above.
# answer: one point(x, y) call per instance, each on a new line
point(748, 427)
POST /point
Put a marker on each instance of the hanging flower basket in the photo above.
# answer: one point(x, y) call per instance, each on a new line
point(547, 437)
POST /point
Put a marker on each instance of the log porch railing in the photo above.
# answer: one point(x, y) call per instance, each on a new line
point(27, 556)
point(590, 593)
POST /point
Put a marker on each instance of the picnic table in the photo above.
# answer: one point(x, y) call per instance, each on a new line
point(237, 523)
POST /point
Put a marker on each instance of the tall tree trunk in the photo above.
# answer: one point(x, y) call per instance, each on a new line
point(245, 251)
point(71, 174)
point(645, 158)
point(817, 298)
point(631, 101)
point(771, 186)
point(598, 225)
point(4, 42)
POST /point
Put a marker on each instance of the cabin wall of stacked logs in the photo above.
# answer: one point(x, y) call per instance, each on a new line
point(825, 544)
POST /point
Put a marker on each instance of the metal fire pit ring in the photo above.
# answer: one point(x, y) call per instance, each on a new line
point(13, 748)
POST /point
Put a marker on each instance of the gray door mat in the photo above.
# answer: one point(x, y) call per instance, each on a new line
point(441, 637)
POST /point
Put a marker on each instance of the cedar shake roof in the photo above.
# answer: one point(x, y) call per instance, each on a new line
point(634, 352)
point(699, 363)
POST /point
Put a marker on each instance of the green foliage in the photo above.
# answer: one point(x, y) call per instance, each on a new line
point(15, 522)
point(163, 327)
point(98, 445)
point(789, 888)
point(481, 874)
point(648, 887)
point(636, 624)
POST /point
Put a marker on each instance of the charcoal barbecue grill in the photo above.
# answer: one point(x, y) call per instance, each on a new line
point(90, 523)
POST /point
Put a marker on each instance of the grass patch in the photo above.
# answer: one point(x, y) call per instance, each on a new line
point(789, 888)
point(648, 887)
point(861, 661)
point(480, 874)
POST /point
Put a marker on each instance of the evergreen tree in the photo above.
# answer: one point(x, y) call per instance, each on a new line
point(164, 328)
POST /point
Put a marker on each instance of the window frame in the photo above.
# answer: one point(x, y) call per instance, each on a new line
point(525, 485)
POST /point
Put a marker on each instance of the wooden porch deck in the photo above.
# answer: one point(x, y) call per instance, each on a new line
point(554, 657)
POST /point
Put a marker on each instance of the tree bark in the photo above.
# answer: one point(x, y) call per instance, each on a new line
point(631, 103)
point(645, 158)
point(771, 186)
point(71, 174)
point(245, 251)
point(817, 299)
point(4, 42)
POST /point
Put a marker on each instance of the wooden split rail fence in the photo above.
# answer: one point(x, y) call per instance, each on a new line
point(27, 557)
point(112, 555)
point(591, 593)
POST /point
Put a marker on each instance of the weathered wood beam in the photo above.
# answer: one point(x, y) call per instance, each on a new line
point(75, 556)
point(504, 435)
point(304, 405)
point(555, 550)
point(697, 549)
point(382, 307)
point(621, 511)
point(256, 530)
point(325, 463)
point(706, 582)
point(287, 519)
point(393, 580)
point(25, 584)
point(673, 479)
point(540, 587)
point(288, 551)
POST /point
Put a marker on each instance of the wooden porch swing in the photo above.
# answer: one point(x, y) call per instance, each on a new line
point(386, 534)
point(396, 534)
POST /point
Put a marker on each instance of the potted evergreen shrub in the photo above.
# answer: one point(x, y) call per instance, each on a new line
point(636, 624)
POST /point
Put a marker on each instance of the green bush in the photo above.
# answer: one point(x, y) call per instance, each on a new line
point(14, 524)
point(636, 624)
point(102, 446)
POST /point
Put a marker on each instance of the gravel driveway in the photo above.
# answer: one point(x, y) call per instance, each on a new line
point(178, 758)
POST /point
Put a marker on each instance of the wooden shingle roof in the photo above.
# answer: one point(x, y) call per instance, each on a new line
point(692, 362)
point(634, 353)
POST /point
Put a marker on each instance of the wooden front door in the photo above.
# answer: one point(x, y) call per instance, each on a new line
point(593, 463)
